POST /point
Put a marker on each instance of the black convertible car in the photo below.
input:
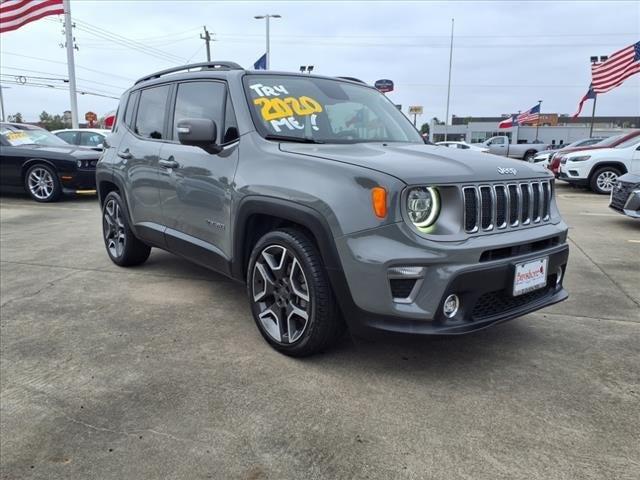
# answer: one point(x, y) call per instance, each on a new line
point(45, 166)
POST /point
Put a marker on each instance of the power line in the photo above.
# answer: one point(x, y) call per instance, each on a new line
point(107, 35)
point(128, 79)
point(118, 87)
point(56, 87)
point(382, 35)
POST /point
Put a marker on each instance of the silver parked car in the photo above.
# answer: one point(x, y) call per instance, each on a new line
point(323, 198)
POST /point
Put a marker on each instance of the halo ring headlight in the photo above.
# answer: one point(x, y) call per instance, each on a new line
point(423, 206)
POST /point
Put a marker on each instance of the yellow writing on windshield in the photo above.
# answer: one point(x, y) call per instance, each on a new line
point(277, 108)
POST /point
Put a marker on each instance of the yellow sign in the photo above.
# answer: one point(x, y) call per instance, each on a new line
point(415, 110)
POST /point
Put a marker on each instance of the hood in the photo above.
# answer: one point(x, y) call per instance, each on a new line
point(564, 151)
point(419, 164)
point(80, 153)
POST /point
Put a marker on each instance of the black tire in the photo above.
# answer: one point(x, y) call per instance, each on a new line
point(603, 179)
point(528, 156)
point(122, 246)
point(324, 325)
point(42, 184)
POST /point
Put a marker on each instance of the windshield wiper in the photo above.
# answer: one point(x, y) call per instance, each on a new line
point(286, 138)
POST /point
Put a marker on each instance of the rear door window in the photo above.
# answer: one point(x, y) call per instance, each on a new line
point(130, 111)
point(69, 137)
point(91, 139)
point(151, 112)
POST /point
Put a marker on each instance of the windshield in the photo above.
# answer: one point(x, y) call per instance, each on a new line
point(15, 138)
point(607, 142)
point(629, 143)
point(324, 111)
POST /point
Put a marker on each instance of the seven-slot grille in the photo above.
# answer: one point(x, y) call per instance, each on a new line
point(498, 206)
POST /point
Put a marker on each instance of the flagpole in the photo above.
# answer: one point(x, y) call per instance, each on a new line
point(539, 114)
point(446, 118)
point(68, 29)
point(593, 114)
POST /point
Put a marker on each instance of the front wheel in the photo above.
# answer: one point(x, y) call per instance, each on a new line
point(603, 180)
point(290, 295)
point(42, 184)
point(123, 247)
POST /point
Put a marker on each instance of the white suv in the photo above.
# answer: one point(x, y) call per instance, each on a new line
point(599, 169)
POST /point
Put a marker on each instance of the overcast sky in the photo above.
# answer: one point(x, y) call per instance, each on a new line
point(506, 56)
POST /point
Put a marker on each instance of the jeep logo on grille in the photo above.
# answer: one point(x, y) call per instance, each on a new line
point(507, 171)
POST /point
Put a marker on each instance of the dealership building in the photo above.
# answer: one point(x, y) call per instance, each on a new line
point(553, 129)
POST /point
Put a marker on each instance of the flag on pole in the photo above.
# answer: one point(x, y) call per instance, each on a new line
point(17, 13)
point(616, 69)
point(261, 63)
point(512, 121)
point(591, 94)
point(530, 116)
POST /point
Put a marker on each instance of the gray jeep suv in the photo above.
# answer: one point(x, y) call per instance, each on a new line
point(321, 196)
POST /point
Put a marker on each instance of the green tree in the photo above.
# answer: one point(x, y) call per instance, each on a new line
point(436, 121)
point(424, 128)
point(53, 122)
point(17, 118)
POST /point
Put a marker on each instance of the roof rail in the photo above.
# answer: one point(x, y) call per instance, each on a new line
point(201, 66)
point(353, 79)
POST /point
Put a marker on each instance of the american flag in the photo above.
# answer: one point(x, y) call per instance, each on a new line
point(616, 69)
point(16, 13)
point(530, 116)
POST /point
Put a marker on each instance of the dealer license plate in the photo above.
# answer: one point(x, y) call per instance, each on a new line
point(530, 276)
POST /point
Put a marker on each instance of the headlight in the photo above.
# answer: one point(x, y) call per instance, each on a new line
point(423, 206)
point(579, 159)
point(79, 163)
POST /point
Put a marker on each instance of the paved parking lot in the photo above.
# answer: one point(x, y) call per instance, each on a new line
point(159, 372)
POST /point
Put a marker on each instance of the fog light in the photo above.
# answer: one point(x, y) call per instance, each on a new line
point(409, 272)
point(558, 276)
point(451, 306)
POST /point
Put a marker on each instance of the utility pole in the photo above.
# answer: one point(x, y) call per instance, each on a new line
point(207, 39)
point(446, 118)
point(267, 17)
point(71, 66)
point(539, 116)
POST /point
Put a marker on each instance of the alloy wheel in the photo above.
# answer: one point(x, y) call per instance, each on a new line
point(113, 227)
point(606, 180)
point(40, 183)
point(280, 290)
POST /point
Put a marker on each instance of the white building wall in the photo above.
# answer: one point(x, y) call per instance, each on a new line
point(477, 131)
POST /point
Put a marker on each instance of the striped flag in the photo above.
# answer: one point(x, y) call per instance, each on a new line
point(16, 13)
point(587, 96)
point(509, 122)
point(616, 69)
point(530, 116)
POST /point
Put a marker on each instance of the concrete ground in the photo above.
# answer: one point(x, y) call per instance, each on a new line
point(159, 372)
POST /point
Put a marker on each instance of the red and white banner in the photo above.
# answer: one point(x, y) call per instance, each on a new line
point(16, 13)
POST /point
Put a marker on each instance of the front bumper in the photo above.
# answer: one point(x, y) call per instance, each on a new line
point(480, 271)
point(581, 182)
point(626, 200)
point(81, 181)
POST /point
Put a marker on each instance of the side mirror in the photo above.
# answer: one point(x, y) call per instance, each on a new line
point(100, 146)
point(199, 132)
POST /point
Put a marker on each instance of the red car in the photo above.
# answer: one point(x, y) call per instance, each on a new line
point(554, 164)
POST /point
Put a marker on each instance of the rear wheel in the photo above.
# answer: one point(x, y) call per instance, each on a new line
point(528, 156)
point(42, 184)
point(123, 247)
point(604, 179)
point(290, 295)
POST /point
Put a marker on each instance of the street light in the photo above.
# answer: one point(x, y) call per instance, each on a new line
point(267, 17)
point(306, 68)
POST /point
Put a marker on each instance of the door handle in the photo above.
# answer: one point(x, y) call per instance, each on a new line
point(169, 163)
point(125, 154)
